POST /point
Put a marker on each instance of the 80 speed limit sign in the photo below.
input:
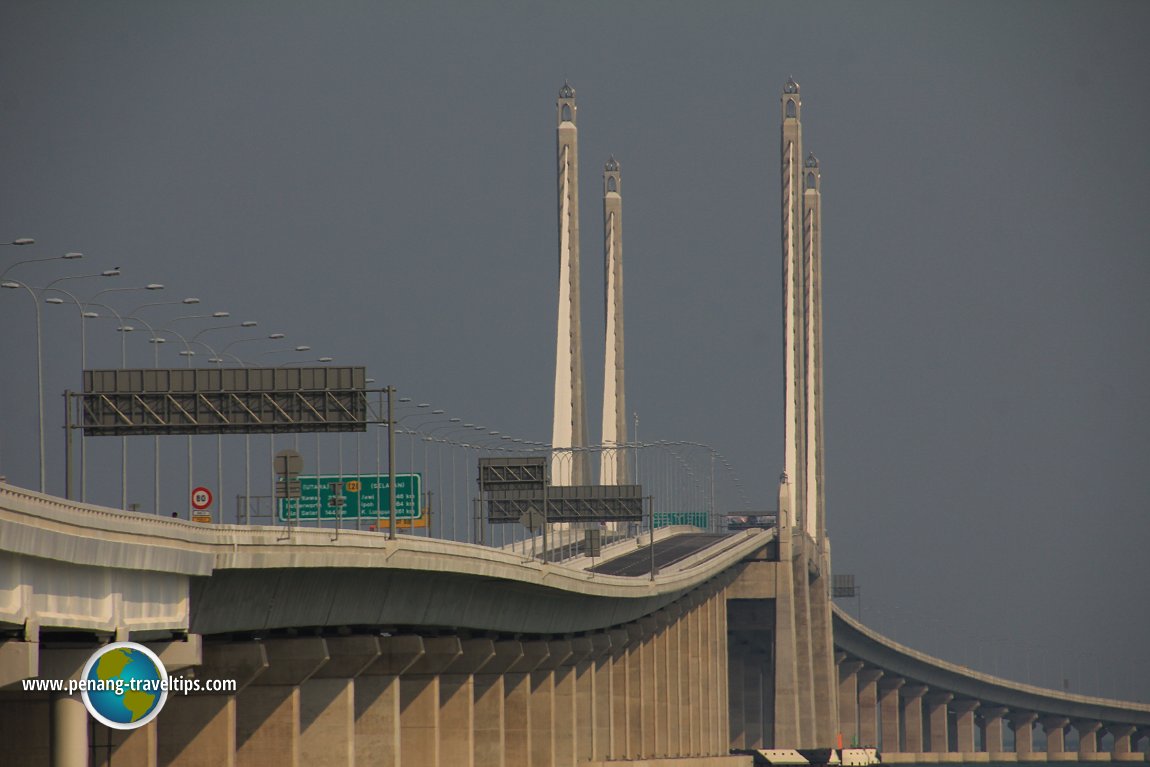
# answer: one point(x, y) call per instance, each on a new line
point(201, 498)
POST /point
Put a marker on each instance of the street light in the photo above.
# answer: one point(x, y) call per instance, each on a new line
point(187, 354)
point(39, 370)
point(20, 241)
point(66, 257)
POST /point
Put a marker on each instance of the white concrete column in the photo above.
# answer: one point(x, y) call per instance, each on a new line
point(327, 702)
point(936, 703)
point(564, 714)
point(647, 653)
point(1022, 722)
point(912, 696)
point(990, 720)
point(868, 706)
point(200, 730)
point(638, 713)
point(1087, 736)
point(268, 710)
point(890, 704)
point(129, 748)
point(489, 704)
point(693, 661)
point(377, 733)
point(1055, 728)
point(620, 692)
point(419, 720)
point(601, 695)
point(964, 724)
point(517, 703)
point(724, 722)
point(1121, 733)
point(69, 731)
point(457, 702)
point(849, 701)
point(583, 683)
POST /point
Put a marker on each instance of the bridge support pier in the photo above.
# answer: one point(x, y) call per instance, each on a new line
point(1121, 734)
point(267, 729)
point(849, 700)
point(327, 702)
point(889, 703)
point(938, 720)
point(990, 722)
point(1055, 729)
point(69, 731)
point(964, 725)
point(1023, 725)
point(868, 706)
point(196, 730)
point(620, 692)
point(377, 700)
point(912, 696)
point(1087, 736)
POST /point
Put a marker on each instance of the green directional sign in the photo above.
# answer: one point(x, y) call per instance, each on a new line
point(332, 496)
point(666, 518)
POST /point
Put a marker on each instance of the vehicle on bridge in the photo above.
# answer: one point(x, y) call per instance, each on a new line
point(762, 520)
point(817, 757)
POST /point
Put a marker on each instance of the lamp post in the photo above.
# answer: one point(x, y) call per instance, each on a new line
point(187, 354)
point(219, 435)
point(219, 360)
point(20, 241)
point(12, 284)
point(65, 257)
point(82, 309)
point(272, 436)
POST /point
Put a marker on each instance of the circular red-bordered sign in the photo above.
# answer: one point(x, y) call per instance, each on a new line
point(201, 498)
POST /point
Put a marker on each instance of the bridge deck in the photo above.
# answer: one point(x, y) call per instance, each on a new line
point(667, 552)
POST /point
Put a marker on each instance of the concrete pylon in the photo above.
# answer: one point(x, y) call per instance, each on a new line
point(802, 319)
point(801, 494)
point(569, 424)
point(613, 468)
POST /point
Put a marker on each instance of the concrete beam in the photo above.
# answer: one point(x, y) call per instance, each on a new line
point(243, 662)
point(18, 660)
point(438, 655)
point(397, 654)
point(291, 661)
point(349, 656)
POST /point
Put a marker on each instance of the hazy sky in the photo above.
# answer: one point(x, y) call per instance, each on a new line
point(376, 180)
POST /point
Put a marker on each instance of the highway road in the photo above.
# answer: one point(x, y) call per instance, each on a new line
point(667, 552)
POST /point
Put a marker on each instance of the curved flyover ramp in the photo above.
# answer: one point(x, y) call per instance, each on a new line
point(918, 706)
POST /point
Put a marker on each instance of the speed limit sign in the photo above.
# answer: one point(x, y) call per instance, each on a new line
point(201, 498)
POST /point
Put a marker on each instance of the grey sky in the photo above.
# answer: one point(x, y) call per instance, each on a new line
point(377, 181)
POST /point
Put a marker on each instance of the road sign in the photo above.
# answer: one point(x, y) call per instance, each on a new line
point(289, 463)
point(201, 498)
point(532, 519)
point(202, 518)
point(329, 496)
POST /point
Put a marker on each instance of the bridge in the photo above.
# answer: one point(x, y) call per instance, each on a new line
point(673, 646)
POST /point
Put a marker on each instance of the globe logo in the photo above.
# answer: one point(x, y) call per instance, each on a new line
point(124, 685)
